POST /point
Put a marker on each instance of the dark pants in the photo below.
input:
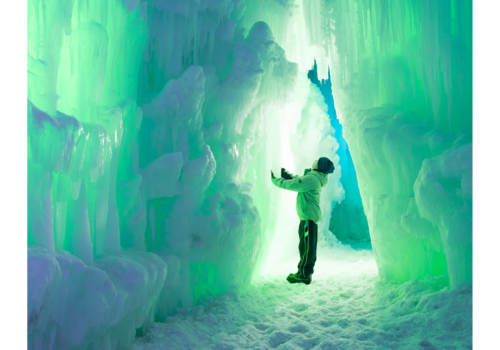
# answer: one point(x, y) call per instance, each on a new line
point(308, 235)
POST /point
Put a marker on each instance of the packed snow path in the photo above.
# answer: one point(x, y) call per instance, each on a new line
point(347, 306)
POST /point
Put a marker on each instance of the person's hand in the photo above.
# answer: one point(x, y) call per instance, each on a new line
point(285, 174)
point(272, 175)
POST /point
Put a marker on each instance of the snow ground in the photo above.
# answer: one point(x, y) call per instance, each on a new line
point(347, 306)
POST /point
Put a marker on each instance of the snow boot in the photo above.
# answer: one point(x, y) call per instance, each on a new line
point(299, 278)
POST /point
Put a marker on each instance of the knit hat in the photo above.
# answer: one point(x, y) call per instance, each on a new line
point(325, 165)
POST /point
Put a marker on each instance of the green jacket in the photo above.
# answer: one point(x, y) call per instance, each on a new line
point(309, 187)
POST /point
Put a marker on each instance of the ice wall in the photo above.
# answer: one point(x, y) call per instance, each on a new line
point(402, 81)
point(152, 127)
point(85, 290)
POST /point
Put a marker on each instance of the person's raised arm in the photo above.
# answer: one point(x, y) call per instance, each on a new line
point(297, 184)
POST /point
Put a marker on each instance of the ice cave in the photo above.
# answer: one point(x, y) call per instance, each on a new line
point(153, 126)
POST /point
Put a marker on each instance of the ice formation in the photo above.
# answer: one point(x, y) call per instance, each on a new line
point(152, 127)
point(348, 221)
point(402, 79)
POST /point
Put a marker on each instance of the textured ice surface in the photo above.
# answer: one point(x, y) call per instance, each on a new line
point(73, 304)
point(346, 306)
point(443, 196)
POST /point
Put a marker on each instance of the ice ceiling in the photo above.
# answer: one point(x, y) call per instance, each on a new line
point(152, 127)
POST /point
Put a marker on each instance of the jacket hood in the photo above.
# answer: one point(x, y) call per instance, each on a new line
point(325, 165)
point(322, 177)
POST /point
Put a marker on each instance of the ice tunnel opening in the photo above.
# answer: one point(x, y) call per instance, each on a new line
point(344, 222)
point(348, 222)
